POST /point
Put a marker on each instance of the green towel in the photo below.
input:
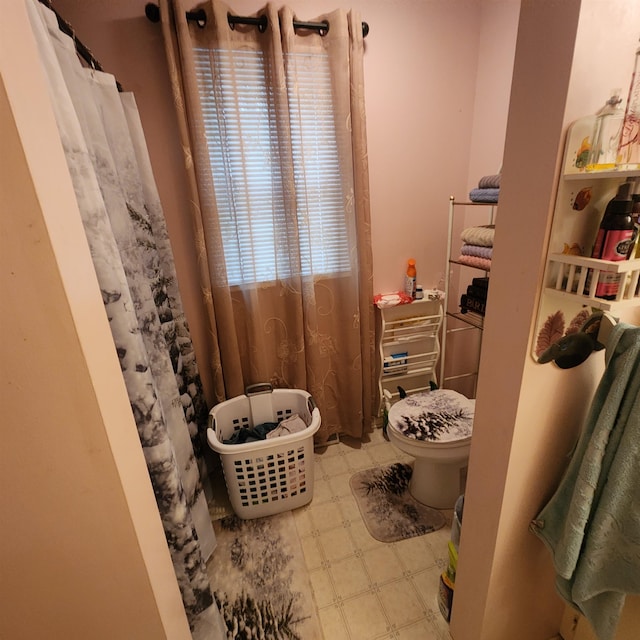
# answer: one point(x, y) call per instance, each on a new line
point(592, 523)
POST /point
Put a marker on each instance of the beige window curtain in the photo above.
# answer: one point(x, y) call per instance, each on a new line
point(273, 130)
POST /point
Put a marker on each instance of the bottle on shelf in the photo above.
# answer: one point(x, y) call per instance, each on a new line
point(634, 249)
point(605, 137)
point(628, 156)
point(615, 239)
point(635, 214)
point(410, 279)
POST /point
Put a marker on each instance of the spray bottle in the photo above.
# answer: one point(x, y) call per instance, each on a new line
point(410, 279)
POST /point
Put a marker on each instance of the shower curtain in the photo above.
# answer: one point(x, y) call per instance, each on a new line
point(109, 165)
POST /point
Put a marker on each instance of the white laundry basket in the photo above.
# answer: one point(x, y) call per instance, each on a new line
point(267, 476)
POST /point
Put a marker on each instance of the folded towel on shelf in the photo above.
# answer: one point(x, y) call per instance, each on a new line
point(489, 182)
point(477, 293)
point(480, 293)
point(484, 195)
point(474, 261)
point(476, 250)
point(482, 283)
point(469, 303)
point(481, 236)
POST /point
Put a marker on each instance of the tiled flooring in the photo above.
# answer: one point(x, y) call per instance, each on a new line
point(365, 589)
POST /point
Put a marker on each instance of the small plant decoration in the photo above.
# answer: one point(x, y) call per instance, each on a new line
point(553, 329)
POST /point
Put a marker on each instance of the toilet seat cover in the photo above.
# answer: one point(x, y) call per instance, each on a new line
point(442, 415)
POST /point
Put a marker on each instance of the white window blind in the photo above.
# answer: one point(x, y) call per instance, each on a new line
point(260, 243)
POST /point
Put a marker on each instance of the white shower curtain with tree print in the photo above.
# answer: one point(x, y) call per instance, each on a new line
point(109, 165)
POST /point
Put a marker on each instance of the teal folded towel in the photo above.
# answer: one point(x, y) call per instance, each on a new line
point(592, 523)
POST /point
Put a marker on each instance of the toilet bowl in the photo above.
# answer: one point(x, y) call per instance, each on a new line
point(434, 427)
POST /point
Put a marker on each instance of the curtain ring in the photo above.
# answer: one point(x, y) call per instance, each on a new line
point(199, 17)
point(262, 22)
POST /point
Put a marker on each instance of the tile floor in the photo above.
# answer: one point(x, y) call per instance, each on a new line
point(365, 589)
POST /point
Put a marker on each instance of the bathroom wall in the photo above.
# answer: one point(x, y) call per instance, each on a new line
point(83, 552)
point(498, 22)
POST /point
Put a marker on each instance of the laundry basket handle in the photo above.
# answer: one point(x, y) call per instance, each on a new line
point(260, 387)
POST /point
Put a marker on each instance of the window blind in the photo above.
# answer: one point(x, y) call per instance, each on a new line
point(251, 166)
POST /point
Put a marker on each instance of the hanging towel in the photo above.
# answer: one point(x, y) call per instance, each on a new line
point(592, 523)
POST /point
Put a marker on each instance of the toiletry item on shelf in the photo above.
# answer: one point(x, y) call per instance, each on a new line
point(410, 278)
point(475, 300)
point(419, 292)
point(396, 364)
point(634, 248)
point(614, 239)
point(635, 214)
point(628, 156)
point(383, 300)
point(606, 134)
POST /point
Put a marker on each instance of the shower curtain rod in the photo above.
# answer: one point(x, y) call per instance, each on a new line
point(82, 50)
point(152, 11)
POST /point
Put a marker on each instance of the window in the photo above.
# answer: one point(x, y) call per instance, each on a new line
point(249, 159)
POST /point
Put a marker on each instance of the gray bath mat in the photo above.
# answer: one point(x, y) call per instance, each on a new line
point(388, 509)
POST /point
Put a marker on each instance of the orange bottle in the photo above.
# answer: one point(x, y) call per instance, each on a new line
point(410, 279)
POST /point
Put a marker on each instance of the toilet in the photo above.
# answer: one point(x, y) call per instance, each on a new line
point(434, 427)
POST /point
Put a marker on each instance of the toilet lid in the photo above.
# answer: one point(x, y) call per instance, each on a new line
point(442, 415)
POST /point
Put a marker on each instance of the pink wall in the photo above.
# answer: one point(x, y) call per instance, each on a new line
point(496, 47)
